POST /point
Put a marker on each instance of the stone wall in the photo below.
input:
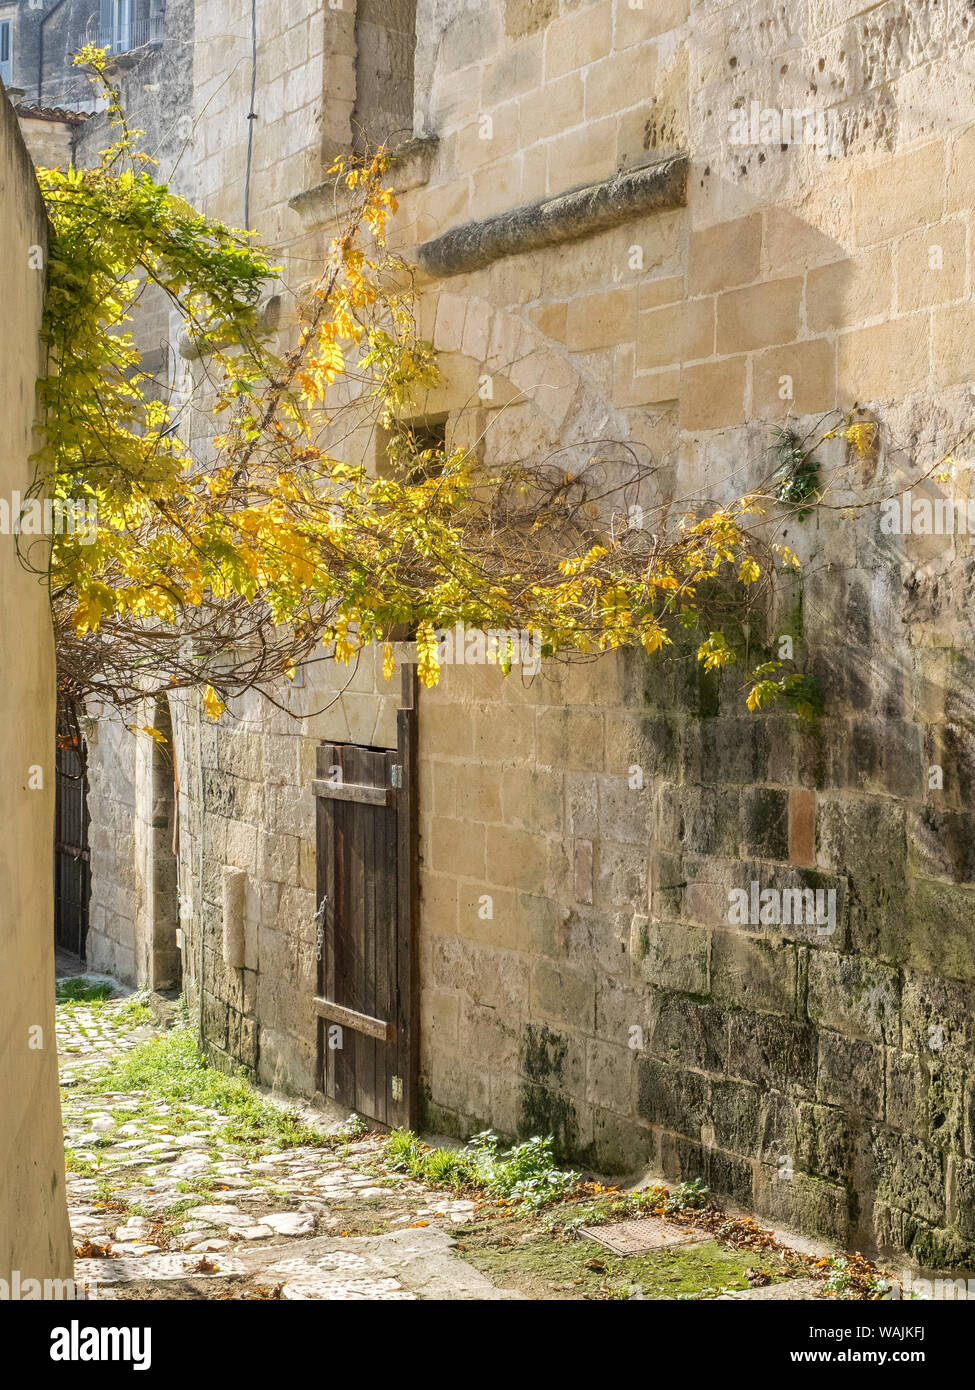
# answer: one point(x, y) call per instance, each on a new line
point(246, 803)
point(34, 1234)
point(584, 973)
point(50, 142)
point(822, 1077)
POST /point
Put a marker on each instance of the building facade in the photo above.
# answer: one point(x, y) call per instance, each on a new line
point(36, 36)
point(35, 1239)
point(674, 226)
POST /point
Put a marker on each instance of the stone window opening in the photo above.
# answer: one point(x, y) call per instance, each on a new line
point(424, 438)
point(7, 50)
point(385, 33)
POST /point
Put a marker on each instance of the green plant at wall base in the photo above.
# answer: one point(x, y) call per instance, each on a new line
point(171, 1068)
point(692, 1194)
point(223, 565)
point(525, 1174)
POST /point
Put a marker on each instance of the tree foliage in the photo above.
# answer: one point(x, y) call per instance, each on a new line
point(223, 560)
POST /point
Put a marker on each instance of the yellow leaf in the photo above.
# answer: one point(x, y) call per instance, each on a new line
point(212, 703)
point(426, 648)
point(653, 638)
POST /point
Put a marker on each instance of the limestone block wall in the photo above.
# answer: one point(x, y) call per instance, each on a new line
point(34, 1234)
point(823, 1078)
point(156, 95)
point(49, 142)
point(114, 899)
point(246, 803)
point(583, 973)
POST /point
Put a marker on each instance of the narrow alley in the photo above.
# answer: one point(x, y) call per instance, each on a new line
point(186, 1184)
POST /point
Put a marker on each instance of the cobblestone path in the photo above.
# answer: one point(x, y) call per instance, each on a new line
point(160, 1194)
point(171, 1198)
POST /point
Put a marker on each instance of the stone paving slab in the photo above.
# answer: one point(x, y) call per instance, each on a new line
point(415, 1264)
point(149, 1268)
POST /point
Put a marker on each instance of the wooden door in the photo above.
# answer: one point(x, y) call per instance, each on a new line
point(365, 996)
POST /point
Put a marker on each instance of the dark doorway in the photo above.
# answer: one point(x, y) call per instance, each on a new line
point(72, 857)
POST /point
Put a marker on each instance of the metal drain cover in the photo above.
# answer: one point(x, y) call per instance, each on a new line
point(638, 1237)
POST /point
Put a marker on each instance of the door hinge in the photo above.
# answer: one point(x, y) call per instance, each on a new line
point(397, 774)
point(397, 1085)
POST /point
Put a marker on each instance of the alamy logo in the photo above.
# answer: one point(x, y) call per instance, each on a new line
point(77, 1343)
point(58, 516)
point(908, 515)
point(756, 906)
point(785, 126)
point(18, 1289)
point(470, 646)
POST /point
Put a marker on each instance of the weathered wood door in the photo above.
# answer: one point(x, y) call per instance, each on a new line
point(366, 859)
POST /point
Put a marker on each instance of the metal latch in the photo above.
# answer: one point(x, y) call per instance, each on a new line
point(397, 1085)
point(397, 774)
point(320, 927)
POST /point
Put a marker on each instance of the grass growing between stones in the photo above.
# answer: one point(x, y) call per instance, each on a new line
point(78, 997)
point(78, 989)
point(170, 1069)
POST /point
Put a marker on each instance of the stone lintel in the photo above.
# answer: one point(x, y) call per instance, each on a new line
point(629, 193)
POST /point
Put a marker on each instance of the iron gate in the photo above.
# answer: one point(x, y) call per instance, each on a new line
point(72, 859)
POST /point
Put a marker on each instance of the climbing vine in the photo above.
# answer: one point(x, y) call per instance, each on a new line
point(227, 555)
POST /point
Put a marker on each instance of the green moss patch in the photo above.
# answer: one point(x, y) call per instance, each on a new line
point(544, 1266)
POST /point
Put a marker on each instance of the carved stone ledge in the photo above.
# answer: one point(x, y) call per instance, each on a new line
point(412, 162)
point(629, 193)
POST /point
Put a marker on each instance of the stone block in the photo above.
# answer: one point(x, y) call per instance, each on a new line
point(854, 996)
point(578, 39)
point(734, 1116)
point(725, 255)
point(753, 973)
point(688, 1034)
point(561, 994)
point(851, 1075)
point(676, 1099)
point(799, 379)
point(765, 823)
point(713, 394)
point(673, 955)
point(772, 1051)
point(895, 196)
point(760, 316)
point(904, 1173)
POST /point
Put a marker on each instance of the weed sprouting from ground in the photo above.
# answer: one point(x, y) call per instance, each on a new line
point(688, 1194)
point(525, 1175)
